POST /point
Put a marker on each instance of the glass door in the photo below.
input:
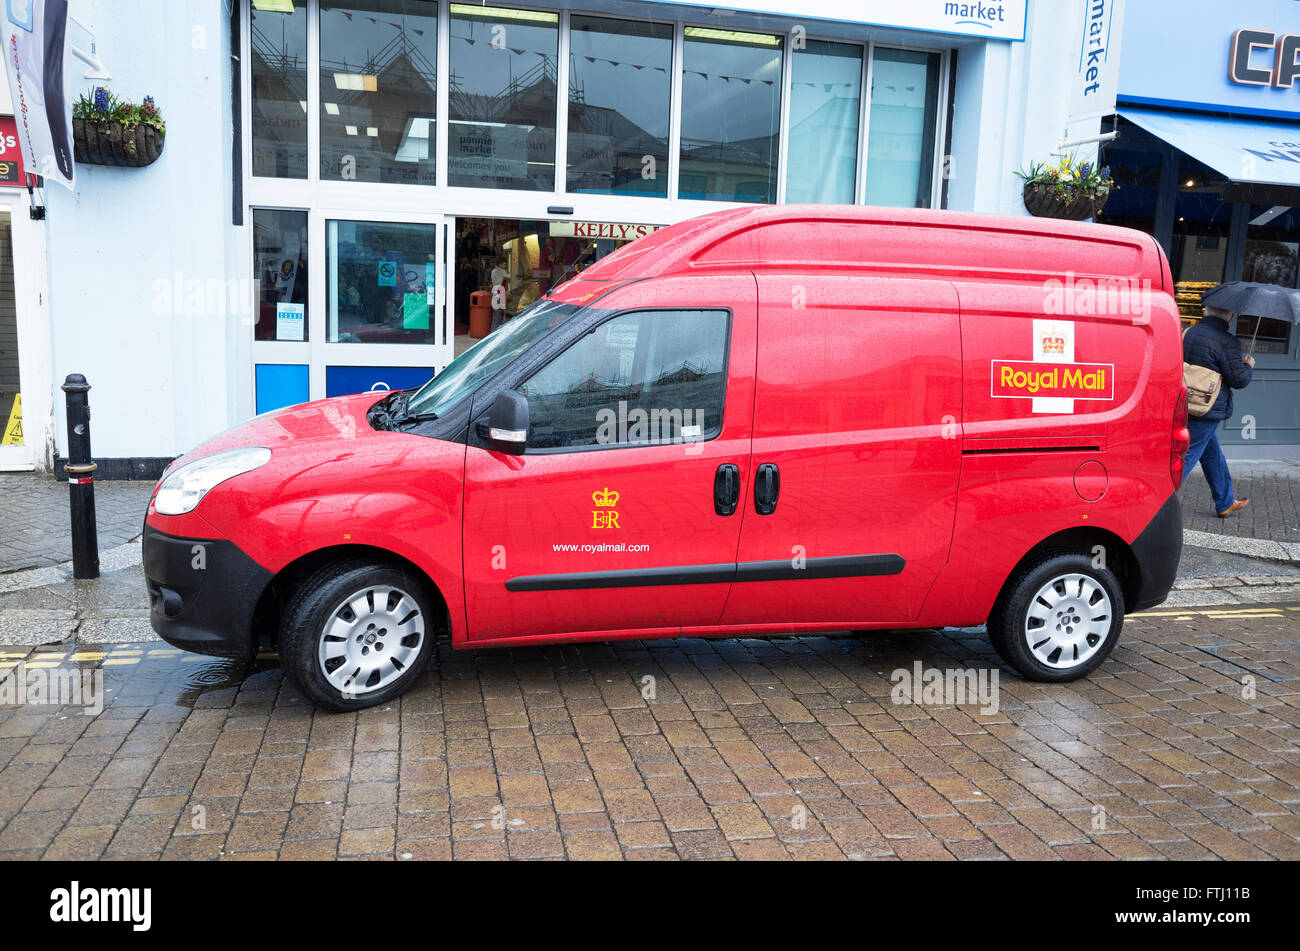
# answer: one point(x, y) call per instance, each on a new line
point(385, 320)
point(348, 303)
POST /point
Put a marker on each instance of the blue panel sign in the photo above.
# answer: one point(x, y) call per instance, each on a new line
point(279, 385)
point(340, 381)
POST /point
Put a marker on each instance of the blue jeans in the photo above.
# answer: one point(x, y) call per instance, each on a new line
point(1205, 448)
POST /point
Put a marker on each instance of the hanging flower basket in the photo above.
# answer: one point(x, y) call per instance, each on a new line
point(1044, 201)
point(115, 143)
point(1073, 190)
point(110, 131)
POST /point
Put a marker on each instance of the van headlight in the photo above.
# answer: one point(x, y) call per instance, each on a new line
point(183, 489)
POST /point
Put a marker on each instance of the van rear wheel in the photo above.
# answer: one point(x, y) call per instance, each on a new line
point(1059, 617)
point(357, 634)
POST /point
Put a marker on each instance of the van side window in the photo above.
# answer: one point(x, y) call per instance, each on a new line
point(640, 379)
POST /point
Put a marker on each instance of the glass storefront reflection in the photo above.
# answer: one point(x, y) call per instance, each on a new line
point(619, 90)
point(378, 82)
point(825, 99)
point(731, 110)
point(279, 93)
point(900, 140)
point(503, 98)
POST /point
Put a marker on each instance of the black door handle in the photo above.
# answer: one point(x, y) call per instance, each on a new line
point(767, 486)
point(726, 489)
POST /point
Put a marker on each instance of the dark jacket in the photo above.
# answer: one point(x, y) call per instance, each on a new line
point(1208, 344)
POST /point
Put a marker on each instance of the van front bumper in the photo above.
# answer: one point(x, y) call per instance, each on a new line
point(1157, 551)
point(202, 592)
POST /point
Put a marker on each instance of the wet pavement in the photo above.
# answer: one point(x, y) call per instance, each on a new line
point(37, 525)
point(1185, 744)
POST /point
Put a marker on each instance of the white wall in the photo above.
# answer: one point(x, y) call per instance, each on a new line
point(159, 375)
point(1011, 105)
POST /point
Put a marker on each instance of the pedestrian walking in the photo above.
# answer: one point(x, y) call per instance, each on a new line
point(1208, 346)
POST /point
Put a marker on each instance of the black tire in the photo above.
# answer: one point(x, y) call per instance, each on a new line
point(313, 607)
point(1009, 620)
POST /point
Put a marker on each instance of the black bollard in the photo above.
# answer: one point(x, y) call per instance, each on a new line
point(81, 479)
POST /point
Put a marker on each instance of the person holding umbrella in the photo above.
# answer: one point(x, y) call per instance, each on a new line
point(1209, 344)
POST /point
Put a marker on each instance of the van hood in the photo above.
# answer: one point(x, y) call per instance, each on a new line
point(338, 418)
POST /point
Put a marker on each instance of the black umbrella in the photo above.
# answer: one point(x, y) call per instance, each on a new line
point(1256, 300)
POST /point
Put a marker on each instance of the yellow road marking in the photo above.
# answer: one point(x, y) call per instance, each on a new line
point(88, 655)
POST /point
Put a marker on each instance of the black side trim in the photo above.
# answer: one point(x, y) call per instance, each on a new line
point(848, 566)
point(1018, 449)
point(635, 578)
point(1157, 551)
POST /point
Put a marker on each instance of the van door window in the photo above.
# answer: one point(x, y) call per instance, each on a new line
point(646, 378)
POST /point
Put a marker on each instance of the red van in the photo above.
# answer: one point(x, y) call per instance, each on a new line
point(762, 421)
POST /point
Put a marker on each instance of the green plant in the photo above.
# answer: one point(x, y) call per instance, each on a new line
point(100, 105)
point(1070, 179)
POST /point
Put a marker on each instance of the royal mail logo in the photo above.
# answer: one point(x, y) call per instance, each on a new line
point(1054, 343)
point(604, 515)
point(1051, 377)
point(1074, 381)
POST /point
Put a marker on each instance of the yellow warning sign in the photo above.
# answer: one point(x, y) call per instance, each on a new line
point(14, 428)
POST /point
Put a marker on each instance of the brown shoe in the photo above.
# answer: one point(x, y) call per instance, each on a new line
point(1236, 506)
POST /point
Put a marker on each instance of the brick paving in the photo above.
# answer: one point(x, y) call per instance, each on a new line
point(749, 749)
point(37, 526)
point(1274, 511)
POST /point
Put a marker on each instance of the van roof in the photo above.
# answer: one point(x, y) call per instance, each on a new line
point(910, 242)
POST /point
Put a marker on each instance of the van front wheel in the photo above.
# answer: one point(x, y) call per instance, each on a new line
point(1059, 618)
point(357, 634)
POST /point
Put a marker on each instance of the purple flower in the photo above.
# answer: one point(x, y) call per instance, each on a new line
point(148, 106)
point(101, 99)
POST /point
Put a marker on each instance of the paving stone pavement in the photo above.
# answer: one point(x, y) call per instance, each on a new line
point(1274, 511)
point(1185, 744)
point(36, 530)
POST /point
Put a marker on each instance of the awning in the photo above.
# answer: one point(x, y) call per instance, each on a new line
point(1261, 160)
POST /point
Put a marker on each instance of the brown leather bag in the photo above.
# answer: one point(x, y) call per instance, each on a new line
point(1203, 385)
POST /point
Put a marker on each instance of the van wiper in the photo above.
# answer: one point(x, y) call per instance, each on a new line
point(398, 416)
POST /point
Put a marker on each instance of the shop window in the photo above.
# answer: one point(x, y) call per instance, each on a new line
point(378, 90)
point(640, 379)
point(825, 102)
point(280, 264)
point(619, 91)
point(382, 282)
point(1136, 173)
point(901, 134)
point(731, 105)
point(503, 98)
point(1264, 335)
point(518, 262)
point(279, 101)
point(1200, 240)
point(1272, 244)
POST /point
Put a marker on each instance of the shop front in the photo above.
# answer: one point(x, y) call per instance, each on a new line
point(24, 334)
point(417, 172)
point(1207, 159)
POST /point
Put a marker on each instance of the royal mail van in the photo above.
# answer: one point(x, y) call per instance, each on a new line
point(762, 421)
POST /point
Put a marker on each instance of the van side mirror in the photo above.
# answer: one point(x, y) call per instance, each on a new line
point(507, 425)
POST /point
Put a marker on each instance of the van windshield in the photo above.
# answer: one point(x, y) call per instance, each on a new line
point(482, 361)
